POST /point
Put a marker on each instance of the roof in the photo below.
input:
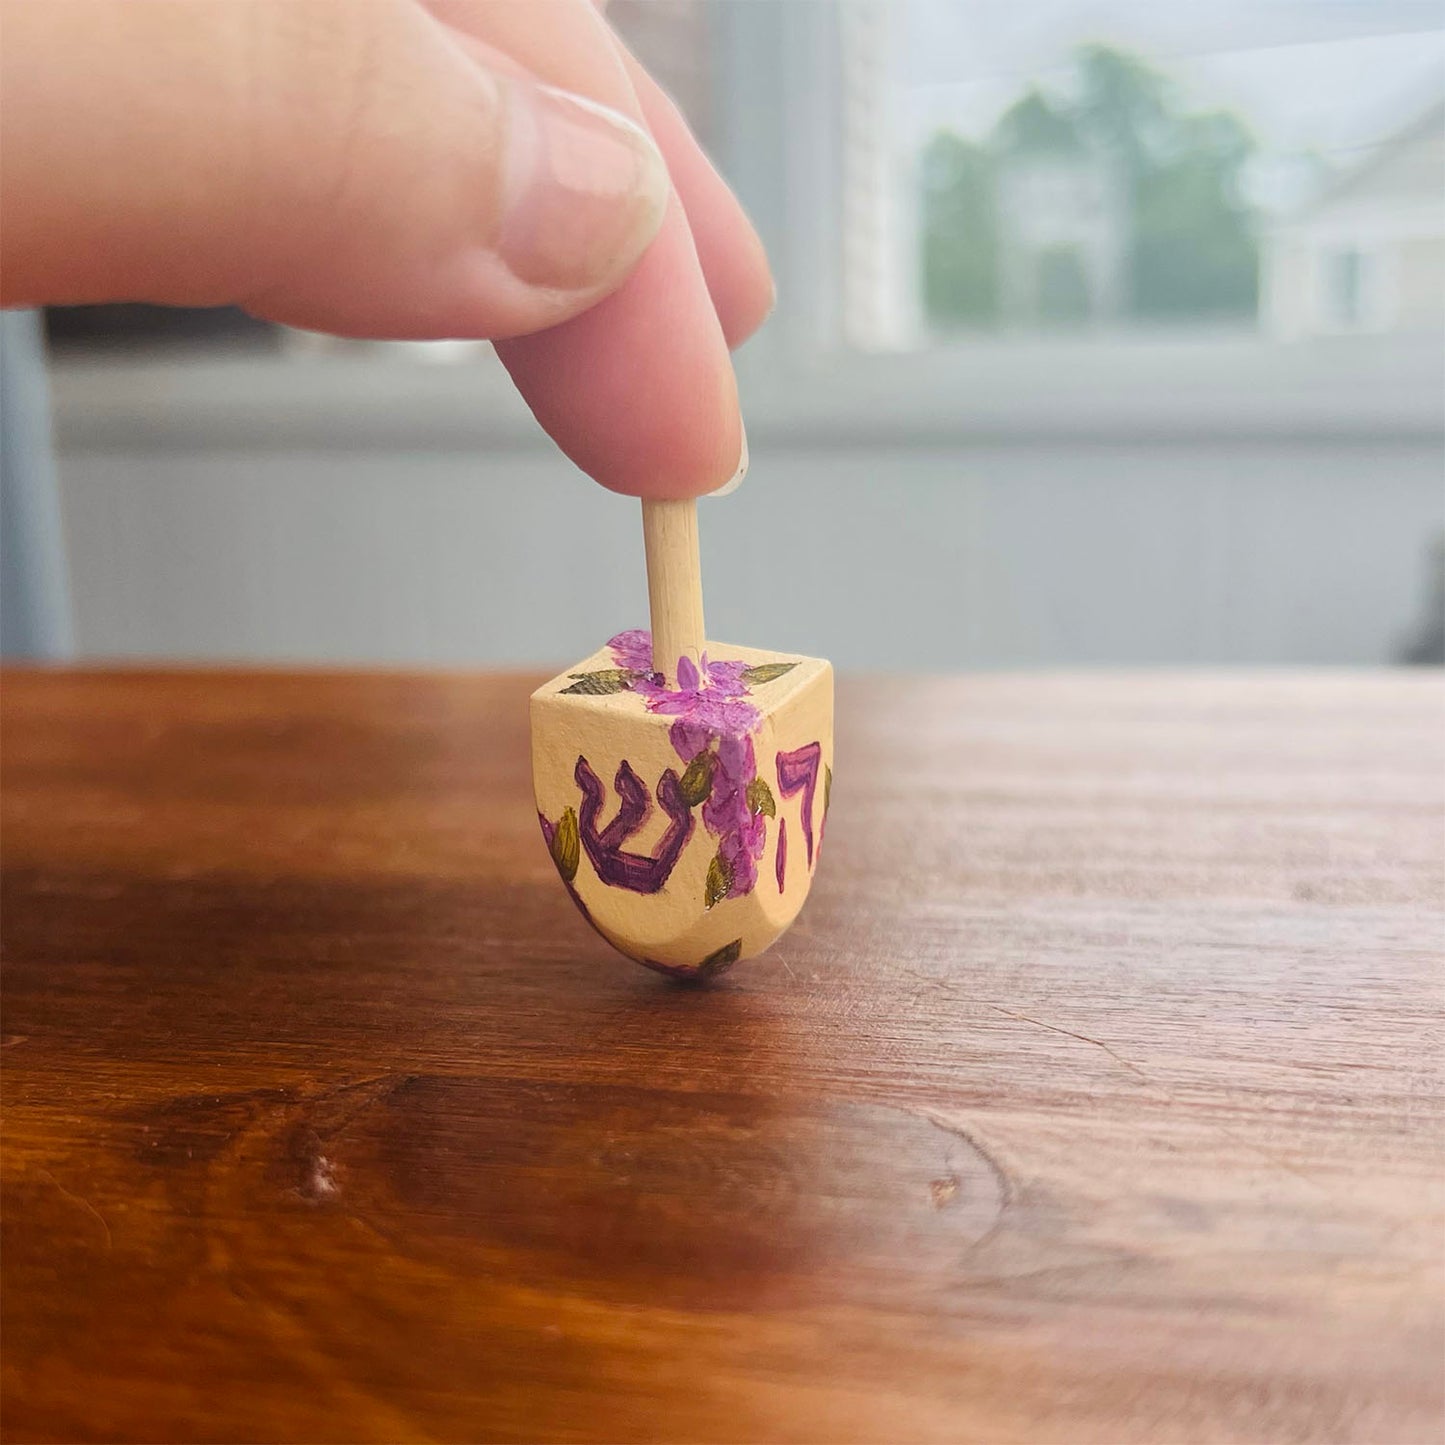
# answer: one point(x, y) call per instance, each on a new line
point(1408, 164)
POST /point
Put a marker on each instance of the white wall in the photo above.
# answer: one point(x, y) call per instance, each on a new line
point(1008, 554)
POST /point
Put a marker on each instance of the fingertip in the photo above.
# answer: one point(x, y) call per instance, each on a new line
point(639, 391)
point(667, 459)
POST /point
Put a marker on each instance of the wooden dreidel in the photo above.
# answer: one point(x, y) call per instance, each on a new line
point(682, 786)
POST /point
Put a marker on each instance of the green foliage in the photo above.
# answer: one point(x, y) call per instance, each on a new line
point(1034, 125)
point(567, 845)
point(760, 799)
point(766, 672)
point(960, 241)
point(1194, 245)
point(1191, 250)
point(602, 683)
point(1125, 107)
point(718, 884)
point(695, 785)
point(721, 959)
point(1063, 287)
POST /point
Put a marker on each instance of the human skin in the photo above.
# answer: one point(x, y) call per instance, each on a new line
point(497, 169)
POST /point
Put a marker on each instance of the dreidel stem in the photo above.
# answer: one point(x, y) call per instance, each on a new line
point(674, 584)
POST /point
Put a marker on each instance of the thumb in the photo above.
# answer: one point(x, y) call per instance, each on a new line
point(345, 167)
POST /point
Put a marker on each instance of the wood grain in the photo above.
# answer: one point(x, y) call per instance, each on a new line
point(1095, 1097)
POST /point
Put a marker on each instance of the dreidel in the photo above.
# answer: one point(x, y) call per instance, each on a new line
point(683, 786)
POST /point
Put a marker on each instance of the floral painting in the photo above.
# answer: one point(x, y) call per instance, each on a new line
point(714, 722)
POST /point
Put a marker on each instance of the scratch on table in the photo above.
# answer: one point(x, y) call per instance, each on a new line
point(85, 1204)
point(1082, 1038)
point(1166, 1095)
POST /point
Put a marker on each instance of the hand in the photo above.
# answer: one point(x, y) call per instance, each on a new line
point(395, 168)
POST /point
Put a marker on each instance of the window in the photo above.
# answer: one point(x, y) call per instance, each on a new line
point(1125, 166)
point(1343, 286)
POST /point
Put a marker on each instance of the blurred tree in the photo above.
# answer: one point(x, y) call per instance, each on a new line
point(960, 239)
point(1195, 251)
point(1125, 107)
point(1063, 289)
point(1034, 125)
point(1191, 248)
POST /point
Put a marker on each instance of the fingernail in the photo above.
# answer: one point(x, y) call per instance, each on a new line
point(586, 191)
point(736, 480)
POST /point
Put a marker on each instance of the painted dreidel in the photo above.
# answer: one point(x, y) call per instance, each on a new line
point(682, 786)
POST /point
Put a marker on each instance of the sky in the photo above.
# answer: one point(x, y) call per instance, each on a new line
point(1332, 77)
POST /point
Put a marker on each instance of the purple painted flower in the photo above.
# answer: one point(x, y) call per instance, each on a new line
point(633, 650)
point(712, 700)
point(741, 832)
point(711, 712)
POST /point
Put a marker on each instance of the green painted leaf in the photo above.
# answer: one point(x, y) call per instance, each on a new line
point(696, 781)
point(567, 845)
point(722, 958)
point(827, 788)
point(766, 672)
point(719, 881)
point(602, 683)
point(760, 798)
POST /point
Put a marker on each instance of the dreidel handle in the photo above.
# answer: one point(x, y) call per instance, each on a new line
point(674, 584)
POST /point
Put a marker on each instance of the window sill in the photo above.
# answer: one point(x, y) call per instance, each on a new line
point(1026, 391)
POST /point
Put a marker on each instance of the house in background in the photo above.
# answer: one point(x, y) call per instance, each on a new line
point(1368, 253)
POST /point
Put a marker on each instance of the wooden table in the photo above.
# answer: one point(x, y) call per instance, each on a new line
point(1095, 1097)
